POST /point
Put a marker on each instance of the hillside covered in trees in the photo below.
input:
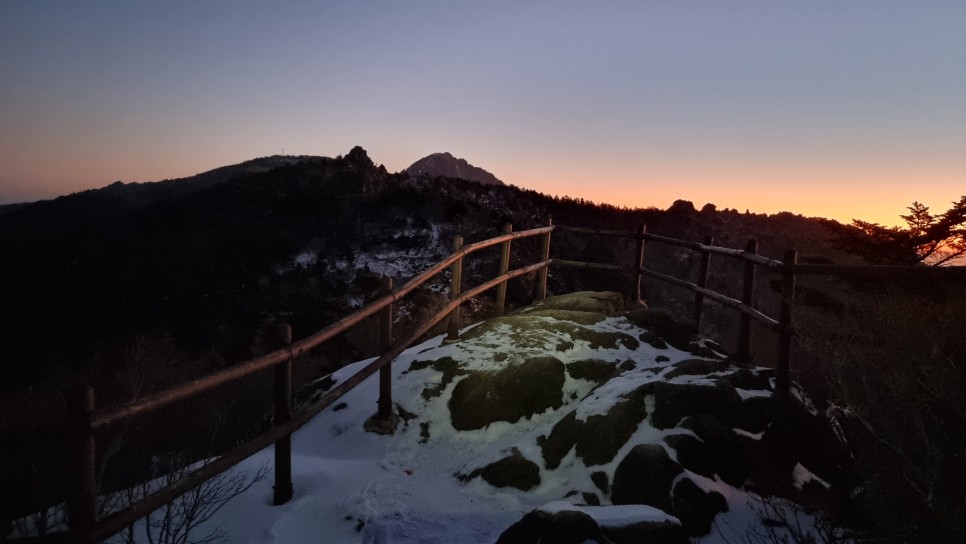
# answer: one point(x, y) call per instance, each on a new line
point(206, 261)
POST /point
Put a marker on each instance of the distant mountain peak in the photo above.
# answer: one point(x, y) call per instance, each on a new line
point(447, 166)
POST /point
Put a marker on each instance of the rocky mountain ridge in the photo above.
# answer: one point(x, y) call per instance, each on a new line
point(445, 165)
point(208, 259)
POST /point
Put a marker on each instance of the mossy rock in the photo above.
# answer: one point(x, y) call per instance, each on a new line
point(521, 330)
point(592, 370)
point(698, 350)
point(660, 321)
point(645, 476)
point(675, 401)
point(510, 394)
point(514, 470)
point(534, 331)
point(599, 302)
point(653, 338)
point(576, 316)
point(598, 438)
point(447, 365)
point(555, 446)
point(602, 436)
point(607, 340)
point(696, 367)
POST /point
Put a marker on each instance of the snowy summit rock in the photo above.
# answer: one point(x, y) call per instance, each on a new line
point(566, 421)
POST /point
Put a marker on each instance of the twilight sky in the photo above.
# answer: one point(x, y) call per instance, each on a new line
point(844, 109)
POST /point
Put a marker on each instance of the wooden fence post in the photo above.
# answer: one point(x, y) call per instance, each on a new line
point(504, 267)
point(545, 255)
point(281, 338)
point(385, 342)
point(782, 380)
point(453, 333)
point(82, 501)
point(747, 297)
point(702, 282)
point(641, 231)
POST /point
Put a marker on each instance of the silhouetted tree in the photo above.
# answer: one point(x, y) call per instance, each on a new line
point(926, 238)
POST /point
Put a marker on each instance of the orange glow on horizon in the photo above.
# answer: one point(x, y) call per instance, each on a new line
point(842, 194)
point(841, 197)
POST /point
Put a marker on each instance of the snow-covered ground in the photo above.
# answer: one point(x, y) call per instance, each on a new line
point(353, 486)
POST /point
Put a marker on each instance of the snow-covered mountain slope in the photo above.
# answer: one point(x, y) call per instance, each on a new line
point(566, 416)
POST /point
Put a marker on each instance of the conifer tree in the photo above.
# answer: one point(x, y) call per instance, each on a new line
point(927, 238)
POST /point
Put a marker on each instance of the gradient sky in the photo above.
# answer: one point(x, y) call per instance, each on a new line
point(844, 109)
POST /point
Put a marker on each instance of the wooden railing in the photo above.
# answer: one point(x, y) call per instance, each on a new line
point(85, 421)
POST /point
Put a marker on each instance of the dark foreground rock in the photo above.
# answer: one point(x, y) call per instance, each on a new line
point(559, 523)
point(645, 476)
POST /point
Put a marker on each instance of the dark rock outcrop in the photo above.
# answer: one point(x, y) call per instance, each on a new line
point(564, 527)
point(674, 401)
point(663, 324)
point(514, 470)
point(645, 476)
point(578, 527)
point(695, 507)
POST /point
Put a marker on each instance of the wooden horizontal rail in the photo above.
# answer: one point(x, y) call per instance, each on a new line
point(744, 256)
point(717, 250)
point(114, 414)
point(476, 246)
point(713, 295)
point(600, 232)
point(594, 266)
point(717, 297)
point(117, 521)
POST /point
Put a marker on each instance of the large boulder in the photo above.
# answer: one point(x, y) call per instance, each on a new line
point(593, 370)
point(603, 435)
point(693, 454)
point(514, 470)
point(645, 476)
point(531, 331)
point(731, 454)
point(563, 523)
point(513, 393)
point(675, 401)
point(695, 507)
point(661, 322)
point(598, 438)
point(605, 302)
point(692, 367)
point(562, 527)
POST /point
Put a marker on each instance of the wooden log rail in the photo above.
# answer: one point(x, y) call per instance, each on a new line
point(84, 421)
point(112, 415)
